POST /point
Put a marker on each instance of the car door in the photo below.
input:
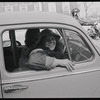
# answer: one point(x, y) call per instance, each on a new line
point(84, 81)
point(0, 88)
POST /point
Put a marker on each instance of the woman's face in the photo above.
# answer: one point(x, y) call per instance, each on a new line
point(50, 42)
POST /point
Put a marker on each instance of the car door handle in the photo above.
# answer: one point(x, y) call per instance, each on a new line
point(15, 88)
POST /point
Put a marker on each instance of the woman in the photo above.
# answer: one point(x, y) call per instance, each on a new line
point(45, 57)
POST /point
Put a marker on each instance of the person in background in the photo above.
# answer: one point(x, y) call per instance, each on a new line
point(75, 13)
point(45, 56)
point(31, 37)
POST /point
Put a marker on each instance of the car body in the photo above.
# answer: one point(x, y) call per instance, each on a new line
point(84, 81)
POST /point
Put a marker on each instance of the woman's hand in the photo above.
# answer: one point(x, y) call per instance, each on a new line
point(67, 64)
point(64, 63)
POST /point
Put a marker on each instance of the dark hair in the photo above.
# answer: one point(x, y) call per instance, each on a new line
point(31, 36)
point(58, 51)
point(45, 33)
point(31, 39)
point(40, 44)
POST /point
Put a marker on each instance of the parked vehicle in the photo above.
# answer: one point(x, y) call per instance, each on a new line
point(94, 30)
point(84, 81)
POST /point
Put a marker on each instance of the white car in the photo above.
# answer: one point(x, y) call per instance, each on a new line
point(84, 81)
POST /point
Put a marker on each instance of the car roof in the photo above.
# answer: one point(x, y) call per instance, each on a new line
point(29, 17)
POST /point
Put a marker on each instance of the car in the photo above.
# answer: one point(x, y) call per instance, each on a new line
point(83, 81)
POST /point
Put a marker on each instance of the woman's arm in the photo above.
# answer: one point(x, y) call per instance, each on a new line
point(63, 63)
point(52, 62)
point(43, 61)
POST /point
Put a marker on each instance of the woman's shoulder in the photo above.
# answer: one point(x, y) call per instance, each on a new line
point(36, 50)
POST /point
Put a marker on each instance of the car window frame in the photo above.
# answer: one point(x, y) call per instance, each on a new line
point(8, 77)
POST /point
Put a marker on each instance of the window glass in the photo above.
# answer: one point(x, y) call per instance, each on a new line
point(78, 48)
point(6, 40)
point(20, 35)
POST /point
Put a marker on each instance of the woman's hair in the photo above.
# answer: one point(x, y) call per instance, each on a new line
point(40, 44)
point(46, 33)
point(58, 51)
point(31, 36)
point(41, 41)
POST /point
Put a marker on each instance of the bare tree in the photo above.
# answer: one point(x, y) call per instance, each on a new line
point(73, 5)
point(45, 6)
point(86, 7)
point(59, 7)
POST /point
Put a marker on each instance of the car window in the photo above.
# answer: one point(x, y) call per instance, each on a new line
point(15, 42)
point(6, 39)
point(78, 47)
point(14, 45)
point(20, 35)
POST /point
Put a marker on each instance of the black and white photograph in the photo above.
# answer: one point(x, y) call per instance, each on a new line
point(50, 49)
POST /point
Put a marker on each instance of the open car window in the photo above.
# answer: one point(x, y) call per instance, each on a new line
point(14, 42)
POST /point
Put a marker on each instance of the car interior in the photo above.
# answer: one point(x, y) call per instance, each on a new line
point(13, 47)
point(12, 52)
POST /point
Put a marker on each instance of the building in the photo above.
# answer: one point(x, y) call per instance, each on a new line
point(58, 7)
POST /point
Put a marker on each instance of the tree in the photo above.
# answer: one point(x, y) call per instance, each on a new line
point(59, 7)
point(86, 7)
point(45, 6)
point(73, 5)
